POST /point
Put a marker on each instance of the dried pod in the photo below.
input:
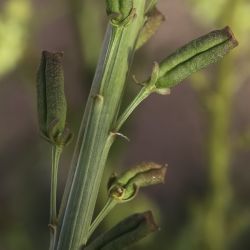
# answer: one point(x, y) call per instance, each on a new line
point(194, 56)
point(152, 24)
point(51, 102)
point(125, 187)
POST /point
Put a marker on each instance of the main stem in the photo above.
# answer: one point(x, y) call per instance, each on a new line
point(96, 135)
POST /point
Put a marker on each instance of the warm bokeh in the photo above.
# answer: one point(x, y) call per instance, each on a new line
point(202, 130)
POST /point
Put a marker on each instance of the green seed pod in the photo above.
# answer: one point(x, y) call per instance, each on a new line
point(194, 56)
point(153, 176)
point(51, 102)
point(127, 185)
point(119, 10)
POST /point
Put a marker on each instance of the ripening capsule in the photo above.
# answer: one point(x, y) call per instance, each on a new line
point(51, 101)
point(125, 187)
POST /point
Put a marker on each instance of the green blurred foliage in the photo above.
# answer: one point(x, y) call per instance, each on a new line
point(15, 18)
point(216, 221)
point(87, 17)
point(215, 12)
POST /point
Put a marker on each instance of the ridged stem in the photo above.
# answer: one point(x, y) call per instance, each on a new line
point(96, 135)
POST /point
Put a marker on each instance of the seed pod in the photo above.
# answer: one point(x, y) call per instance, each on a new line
point(194, 56)
point(119, 10)
point(51, 102)
point(127, 185)
point(126, 232)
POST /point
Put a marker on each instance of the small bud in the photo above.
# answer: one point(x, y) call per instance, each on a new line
point(119, 10)
point(194, 56)
point(51, 102)
point(127, 185)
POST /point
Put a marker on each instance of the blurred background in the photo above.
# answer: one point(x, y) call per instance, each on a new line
point(201, 130)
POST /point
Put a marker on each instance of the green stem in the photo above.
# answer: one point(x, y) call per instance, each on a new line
point(96, 137)
point(111, 203)
point(150, 5)
point(140, 97)
point(56, 154)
